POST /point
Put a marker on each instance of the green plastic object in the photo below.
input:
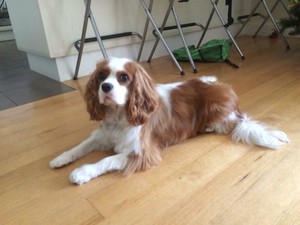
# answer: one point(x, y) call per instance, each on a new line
point(213, 51)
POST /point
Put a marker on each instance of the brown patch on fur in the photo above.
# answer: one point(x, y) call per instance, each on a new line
point(95, 109)
point(143, 98)
point(195, 106)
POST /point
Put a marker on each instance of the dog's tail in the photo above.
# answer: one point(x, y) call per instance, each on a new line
point(254, 133)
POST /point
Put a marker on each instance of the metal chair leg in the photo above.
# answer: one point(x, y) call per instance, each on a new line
point(266, 19)
point(248, 18)
point(145, 32)
point(207, 25)
point(88, 14)
point(172, 9)
point(215, 9)
point(83, 34)
point(226, 29)
point(183, 40)
point(161, 29)
point(98, 36)
point(269, 15)
point(275, 25)
point(160, 35)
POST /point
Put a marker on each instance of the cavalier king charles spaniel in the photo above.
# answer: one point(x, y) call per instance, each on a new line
point(140, 118)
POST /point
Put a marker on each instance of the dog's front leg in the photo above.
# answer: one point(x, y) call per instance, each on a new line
point(87, 172)
point(77, 152)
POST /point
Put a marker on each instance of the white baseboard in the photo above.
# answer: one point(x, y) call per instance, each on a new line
point(62, 69)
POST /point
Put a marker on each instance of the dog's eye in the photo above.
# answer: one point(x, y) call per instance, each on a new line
point(123, 78)
point(102, 76)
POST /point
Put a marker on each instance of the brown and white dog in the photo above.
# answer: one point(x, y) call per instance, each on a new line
point(140, 118)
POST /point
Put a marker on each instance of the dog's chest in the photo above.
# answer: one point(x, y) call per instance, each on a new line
point(122, 137)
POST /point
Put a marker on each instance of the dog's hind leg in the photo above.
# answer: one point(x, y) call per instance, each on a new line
point(225, 126)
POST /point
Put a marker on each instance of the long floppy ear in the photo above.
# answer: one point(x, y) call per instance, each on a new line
point(143, 98)
point(95, 109)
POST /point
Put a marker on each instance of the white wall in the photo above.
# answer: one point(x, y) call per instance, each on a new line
point(47, 29)
point(28, 26)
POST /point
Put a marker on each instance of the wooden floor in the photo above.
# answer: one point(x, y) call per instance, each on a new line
point(206, 180)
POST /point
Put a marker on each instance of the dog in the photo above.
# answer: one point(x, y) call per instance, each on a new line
point(139, 118)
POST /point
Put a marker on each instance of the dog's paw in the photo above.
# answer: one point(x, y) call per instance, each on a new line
point(281, 136)
point(83, 174)
point(277, 139)
point(59, 161)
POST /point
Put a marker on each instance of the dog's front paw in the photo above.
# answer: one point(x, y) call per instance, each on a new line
point(59, 161)
point(83, 174)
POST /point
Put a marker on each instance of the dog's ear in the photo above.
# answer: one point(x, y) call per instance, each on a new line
point(143, 97)
point(95, 109)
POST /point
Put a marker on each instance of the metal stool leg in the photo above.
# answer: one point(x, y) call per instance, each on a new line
point(269, 15)
point(214, 3)
point(83, 34)
point(183, 40)
point(160, 35)
point(161, 30)
point(98, 36)
point(248, 18)
point(88, 14)
point(172, 8)
point(273, 8)
point(275, 25)
point(207, 25)
point(266, 19)
point(145, 32)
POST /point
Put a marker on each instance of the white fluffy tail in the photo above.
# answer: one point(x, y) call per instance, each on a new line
point(255, 133)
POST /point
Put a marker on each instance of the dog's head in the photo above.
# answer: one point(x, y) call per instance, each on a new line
point(121, 82)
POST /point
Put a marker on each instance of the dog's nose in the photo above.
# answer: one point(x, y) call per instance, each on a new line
point(106, 87)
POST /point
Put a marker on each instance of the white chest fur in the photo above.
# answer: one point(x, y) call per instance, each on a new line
point(116, 133)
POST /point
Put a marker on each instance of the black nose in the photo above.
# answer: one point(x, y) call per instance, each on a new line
point(106, 87)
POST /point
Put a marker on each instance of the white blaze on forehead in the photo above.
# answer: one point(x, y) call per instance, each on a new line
point(119, 93)
point(117, 64)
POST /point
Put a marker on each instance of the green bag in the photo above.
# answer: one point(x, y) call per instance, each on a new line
point(213, 51)
point(180, 54)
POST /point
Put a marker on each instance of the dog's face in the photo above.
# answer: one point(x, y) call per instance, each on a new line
point(114, 80)
point(121, 82)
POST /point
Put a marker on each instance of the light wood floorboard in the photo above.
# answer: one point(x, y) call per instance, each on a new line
point(205, 180)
